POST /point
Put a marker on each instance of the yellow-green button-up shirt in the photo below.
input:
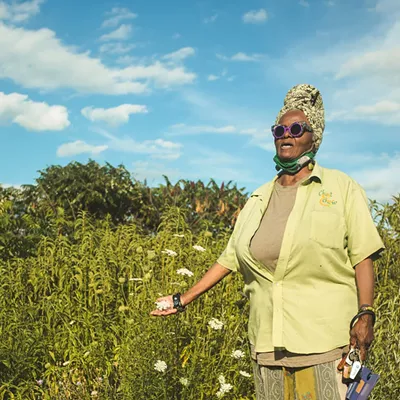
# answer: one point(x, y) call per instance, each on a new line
point(306, 305)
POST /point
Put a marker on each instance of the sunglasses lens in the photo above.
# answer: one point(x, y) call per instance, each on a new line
point(296, 129)
point(279, 131)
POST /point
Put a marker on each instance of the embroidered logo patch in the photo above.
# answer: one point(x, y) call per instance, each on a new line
point(326, 199)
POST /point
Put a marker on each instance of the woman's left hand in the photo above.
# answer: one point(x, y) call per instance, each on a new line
point(362, 335)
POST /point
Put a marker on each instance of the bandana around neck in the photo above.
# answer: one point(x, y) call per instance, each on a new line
point(295, 165)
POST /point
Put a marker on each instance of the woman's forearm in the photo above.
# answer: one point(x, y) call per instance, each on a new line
point(365, 281)
point(215, 274)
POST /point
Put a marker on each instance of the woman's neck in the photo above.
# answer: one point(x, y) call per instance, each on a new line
point(291, 180)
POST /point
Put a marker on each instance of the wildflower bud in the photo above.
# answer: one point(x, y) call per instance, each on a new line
point(151, 254)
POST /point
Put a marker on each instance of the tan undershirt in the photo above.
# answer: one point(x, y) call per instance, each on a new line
point(265, 247)
point(266, 243)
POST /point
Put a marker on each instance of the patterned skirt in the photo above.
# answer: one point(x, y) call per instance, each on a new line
point(319, 382)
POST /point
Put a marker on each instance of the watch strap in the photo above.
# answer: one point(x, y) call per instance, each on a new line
point(177, 303)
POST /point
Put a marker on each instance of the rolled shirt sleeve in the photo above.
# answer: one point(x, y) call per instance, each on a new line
point(228, 258)
point(363, 239)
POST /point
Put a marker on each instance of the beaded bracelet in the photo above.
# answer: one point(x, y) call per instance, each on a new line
point(366, 307)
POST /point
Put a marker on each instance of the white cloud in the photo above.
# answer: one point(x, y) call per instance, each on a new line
point(113, 116)
point(38, 59)
point(126, 60)
point(156, 148)
point(19, 109)
point(180, 55)
point(245, 57)
point(153, 171)
point(258, 137)
point(384, 62)
point(116, 48)
point(241, 57)
point(159, 73)
point(380, 183)
point(220, 165)
point(121, 33)
point(210, 19)
point(214, 158)
point(116, 15)
point(247, 123)
point(386, 112)
point(304, 3)
point(255, 16)
point(159, 148)
point(183, 129)
point(387, 6)
point(212, 77)
point(79, 147)
point(17, 12)
point(11, 185)
point(365, 76)
point(383, 107)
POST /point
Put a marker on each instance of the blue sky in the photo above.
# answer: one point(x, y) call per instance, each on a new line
point(189, 89)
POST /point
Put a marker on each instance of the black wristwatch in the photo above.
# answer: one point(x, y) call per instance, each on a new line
point(177, 302)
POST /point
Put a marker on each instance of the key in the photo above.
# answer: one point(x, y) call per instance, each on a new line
point(355, 368)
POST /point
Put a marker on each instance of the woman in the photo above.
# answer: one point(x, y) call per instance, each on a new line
point(305, 244)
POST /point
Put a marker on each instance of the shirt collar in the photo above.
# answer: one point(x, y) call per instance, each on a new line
point(316, 175)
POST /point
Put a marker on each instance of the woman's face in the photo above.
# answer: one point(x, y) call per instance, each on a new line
point(287, 147)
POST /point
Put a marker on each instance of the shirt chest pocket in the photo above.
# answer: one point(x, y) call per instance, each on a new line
point(327, 229)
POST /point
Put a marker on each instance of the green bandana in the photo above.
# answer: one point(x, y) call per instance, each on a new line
point(296, 165)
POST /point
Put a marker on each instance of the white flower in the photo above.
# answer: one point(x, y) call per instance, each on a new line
point(184, 381)
point(224, 387)
point(160, 366)
point(238, 354)
point(66, 363)
point(94, 393)
point(169, 252)
point(177, 235)
point(199, 248)
point(39, 382)
point(136, 279)
point(184, 271)
point(216, 324)
point(72, 322)
point(163, 305)
point(245, 374)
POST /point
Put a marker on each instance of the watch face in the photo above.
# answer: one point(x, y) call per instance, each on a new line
point(177, 302)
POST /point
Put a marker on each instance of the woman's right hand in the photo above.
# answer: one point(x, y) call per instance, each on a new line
point(166, 300)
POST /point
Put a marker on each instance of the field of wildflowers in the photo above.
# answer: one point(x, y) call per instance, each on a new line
point(75, 320)
point(76, 325)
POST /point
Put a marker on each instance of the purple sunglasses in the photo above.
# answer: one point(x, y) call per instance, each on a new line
point(295, 130)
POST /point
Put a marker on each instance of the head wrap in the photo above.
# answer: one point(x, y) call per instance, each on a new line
point(308, 99)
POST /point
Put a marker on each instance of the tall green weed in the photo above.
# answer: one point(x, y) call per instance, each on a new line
point(75, 318)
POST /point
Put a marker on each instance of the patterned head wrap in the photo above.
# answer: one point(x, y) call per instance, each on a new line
point(308, 99)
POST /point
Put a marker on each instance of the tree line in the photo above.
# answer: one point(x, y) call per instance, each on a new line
point(53, 203)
